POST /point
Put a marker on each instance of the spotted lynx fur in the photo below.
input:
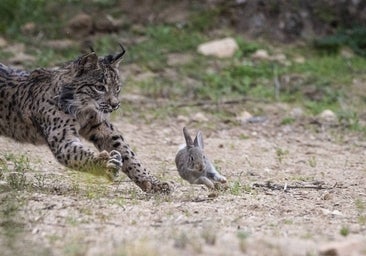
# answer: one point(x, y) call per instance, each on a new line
point(59, 106)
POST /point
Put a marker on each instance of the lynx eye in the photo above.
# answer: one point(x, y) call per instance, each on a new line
point(100, 88)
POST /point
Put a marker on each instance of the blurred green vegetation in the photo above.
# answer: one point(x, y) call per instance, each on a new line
point(326, 75)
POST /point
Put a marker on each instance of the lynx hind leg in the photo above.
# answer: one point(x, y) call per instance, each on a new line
point(112, 161)
point(206, 181)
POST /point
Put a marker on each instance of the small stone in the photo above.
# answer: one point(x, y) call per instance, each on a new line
point(105, 24)
point(348, 247)
point(28, 28)
point(347, 53)
point(296, 112)
point(21, 58)
point(182, 119)
point(176, 59)
point(199, 117)
point(280, 57)
point(243, 117)
point(222, 48)
point(328, 116)
point(326, 196)
point(3, 42)
point(331, 213)
point(257, 119)
point(260, 54)
point(80, 25)
point(60, 44)
point(213, 195)
point(144, 76)
point(299, 60)
point(4, 186)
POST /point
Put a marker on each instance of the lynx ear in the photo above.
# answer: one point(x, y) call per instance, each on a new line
point(198, 141)
point(187, 137)
point(89, 61)
point(86, 63)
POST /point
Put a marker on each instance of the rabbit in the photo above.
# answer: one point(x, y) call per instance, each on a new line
point(193, 165)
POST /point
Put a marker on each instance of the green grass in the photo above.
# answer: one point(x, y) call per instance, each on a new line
point(326, 77)
point(344, 231)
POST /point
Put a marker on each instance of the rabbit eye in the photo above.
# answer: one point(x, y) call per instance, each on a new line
point(191, 158)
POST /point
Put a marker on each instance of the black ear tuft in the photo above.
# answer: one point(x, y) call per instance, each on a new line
point(114, 60)
point(91, 49)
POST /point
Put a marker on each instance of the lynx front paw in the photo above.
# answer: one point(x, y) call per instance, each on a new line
point(163, 188)
point(156, 187)
point(114, 164)
point(113, 161)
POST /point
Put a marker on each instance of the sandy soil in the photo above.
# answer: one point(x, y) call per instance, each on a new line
point(63, 212)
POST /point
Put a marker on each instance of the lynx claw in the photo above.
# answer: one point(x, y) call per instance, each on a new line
point(114, 164)
point(160, 188)
point(115, 160)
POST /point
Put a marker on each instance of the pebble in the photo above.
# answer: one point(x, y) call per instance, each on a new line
point(3, 42)
point(243, 117)
point(222, 48)
point(347, 247)
point(260, 54)
point(257, 119)
point(4, 186)
point(328, 116)
point(80, 25)
point(297, 112)
point(199, 117)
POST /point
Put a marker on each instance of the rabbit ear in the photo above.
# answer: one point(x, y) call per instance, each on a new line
point(198, 141)
point(187, 137)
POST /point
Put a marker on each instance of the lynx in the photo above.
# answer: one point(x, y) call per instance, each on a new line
point(59, 106)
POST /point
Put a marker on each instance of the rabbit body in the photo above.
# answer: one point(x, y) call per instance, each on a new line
point(194, 166)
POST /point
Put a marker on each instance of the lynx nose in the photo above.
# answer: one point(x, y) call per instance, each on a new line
point(115, 105)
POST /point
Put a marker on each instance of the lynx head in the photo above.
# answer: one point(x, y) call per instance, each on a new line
point(93, 85)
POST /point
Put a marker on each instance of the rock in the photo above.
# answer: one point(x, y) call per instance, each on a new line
point(199, 117)
point(3, 42)
point(15, 48)
point(299, 60)
point(256, 119)
point(144, 76)
point(28, 28)
point(331, 213)
point(347, 53)
point(4, 186)
point(21, 58)
point(222, 48)
point(296, 113)
point(260, 54)
point(348, 247)
point(59, 44)
point(328, 116)
point(243, 117)
point(80, 25)
point(182, 119)
point(106, 24)
point(280, 57)
point(176, 59)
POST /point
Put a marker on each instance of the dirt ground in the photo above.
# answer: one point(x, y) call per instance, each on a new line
point(65, 212)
